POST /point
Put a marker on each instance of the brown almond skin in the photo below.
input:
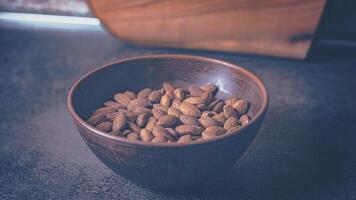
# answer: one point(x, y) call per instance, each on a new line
point(144, 93)
point(194, 100)
point(140, 110)
point(146, 135)
point(241, 106)
point(157, 113)
point(151, 123)
point(218, 107)
point(170, 95)
point(141, 120)
point(189, 109)
point(229, 111)
point(168, 87)
point(155, 96)
point(139, 102)
point(105, 126)
point(172, 132)
point(189, 130)
point(206, 135)
point(185, 139)
point(165, 100)
point(111, 116)
point(119, 122)
point(231, 101)
point(179, 94)
point(220, 118)
point(188, 120)
point(133, 136)
point(134, 127)
point(161, 131)
point(208, 121)
point(117, 133)
point(217, 130)
point(195, 91)
point(231, 122)
point(176, 103)
point(207, 98)
point(173, 111)
point(130, 116)
point(131, 94)
point(161, 107)
point(202, 107)
point(210, 88)
point(159, 139)
point(244, 119)
point(113, 104)
point(167, 121)
point(213, 103)
point(94, 120)
point(208, 113)
point(104, 110)
point(122, 98)
point(233, 129)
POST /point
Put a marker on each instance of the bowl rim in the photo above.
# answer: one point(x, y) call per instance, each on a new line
point(86, 125)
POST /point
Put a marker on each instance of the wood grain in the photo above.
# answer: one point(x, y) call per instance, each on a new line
point(270, 27)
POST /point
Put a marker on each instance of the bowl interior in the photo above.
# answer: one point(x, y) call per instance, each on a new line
point(151, 71)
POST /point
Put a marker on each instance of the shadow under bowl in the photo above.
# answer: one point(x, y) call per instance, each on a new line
point(167, 166)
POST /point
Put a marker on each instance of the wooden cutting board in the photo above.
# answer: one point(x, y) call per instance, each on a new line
point(270, 27)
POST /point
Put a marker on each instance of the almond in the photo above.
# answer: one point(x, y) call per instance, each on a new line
point(195, 91)
point(139, 102)
point(218, 107)
point(231, 101)
point(146, 135)
point(208, 121)
point(160, 131)
point(229, 111)
point(161, 107)
point(134, 127)
point(207, 98)
point(220, 118)
point(217, 130)
point(133, 136)
point(188, 120)
point(94, 120)
point(131, 94)
point(157, 113)
point(119, 122)
point(189, 130)
point(179, 94)
point(185, 139)
point(233, 130)
point(111, 116)
point(141, 120)
point(176, 103)
point(231, 122)
point(122, 98)
point(241, 106)
point(113, 104)
point(140, 110)
point(117, 133)
point(208, 113)
point(167, 120)
point(155, 96)
point(104, 110)
point(210, 88)
point(104, 126)
point(213, 103)
point(144, 93)
point(202, 107)
point(172, 132)
point(151, 123)
point(168, 87)
point(169, 94)
point(159, 139)
point(194, 100)
point(244, 119)
point(165, 100)
point(174, 112)
point(189, 109)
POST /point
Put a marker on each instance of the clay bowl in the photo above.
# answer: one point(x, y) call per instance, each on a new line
point(166, 166)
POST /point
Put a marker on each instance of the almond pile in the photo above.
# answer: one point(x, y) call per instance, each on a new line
point(171, 114)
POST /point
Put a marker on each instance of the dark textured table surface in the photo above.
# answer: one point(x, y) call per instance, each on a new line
point(305, 149)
